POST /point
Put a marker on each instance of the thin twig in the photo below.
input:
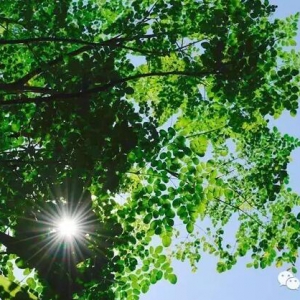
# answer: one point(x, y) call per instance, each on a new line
point(242, 211)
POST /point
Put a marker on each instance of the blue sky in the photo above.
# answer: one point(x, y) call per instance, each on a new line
point(240, 282)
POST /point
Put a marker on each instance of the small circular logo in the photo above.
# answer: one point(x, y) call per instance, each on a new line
point(287, 279)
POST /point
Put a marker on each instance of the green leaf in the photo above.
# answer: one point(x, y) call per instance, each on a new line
point(129, 90)
point(158, 249)
point(221, 267)
point(20, 263)
point(205, 45)
point(27, 271)
point(148, 218)
point(199, 145)
point(145, 288)
point(172, 278)
point(15, 127)
point(166, 240)
point(190, 227)
point(159, 275)
point(31, 283)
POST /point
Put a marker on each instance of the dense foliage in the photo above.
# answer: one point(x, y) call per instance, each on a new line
point(139, 117)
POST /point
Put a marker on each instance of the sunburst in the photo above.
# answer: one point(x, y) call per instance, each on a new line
point(62, 234)
point(67, 227)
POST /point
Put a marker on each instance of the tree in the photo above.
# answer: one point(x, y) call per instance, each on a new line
point(182, 136)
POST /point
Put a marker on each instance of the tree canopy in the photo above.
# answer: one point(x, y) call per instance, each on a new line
point(143, 120)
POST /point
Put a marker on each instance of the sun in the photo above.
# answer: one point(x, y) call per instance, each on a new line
point(67, 227)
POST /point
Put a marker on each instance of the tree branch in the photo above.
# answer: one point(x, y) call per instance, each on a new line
point(204, 132)
point(14, 88)
point(115, 41)
point(19, 161)
point(239, 209)
point(52, 63)
point(88, 46)
point(144, 51)
point(48, 39)
point(102, 88)
point(43, 39)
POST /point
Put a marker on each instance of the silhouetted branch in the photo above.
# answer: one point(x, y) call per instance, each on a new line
point(205, 132)
point(101, 88)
